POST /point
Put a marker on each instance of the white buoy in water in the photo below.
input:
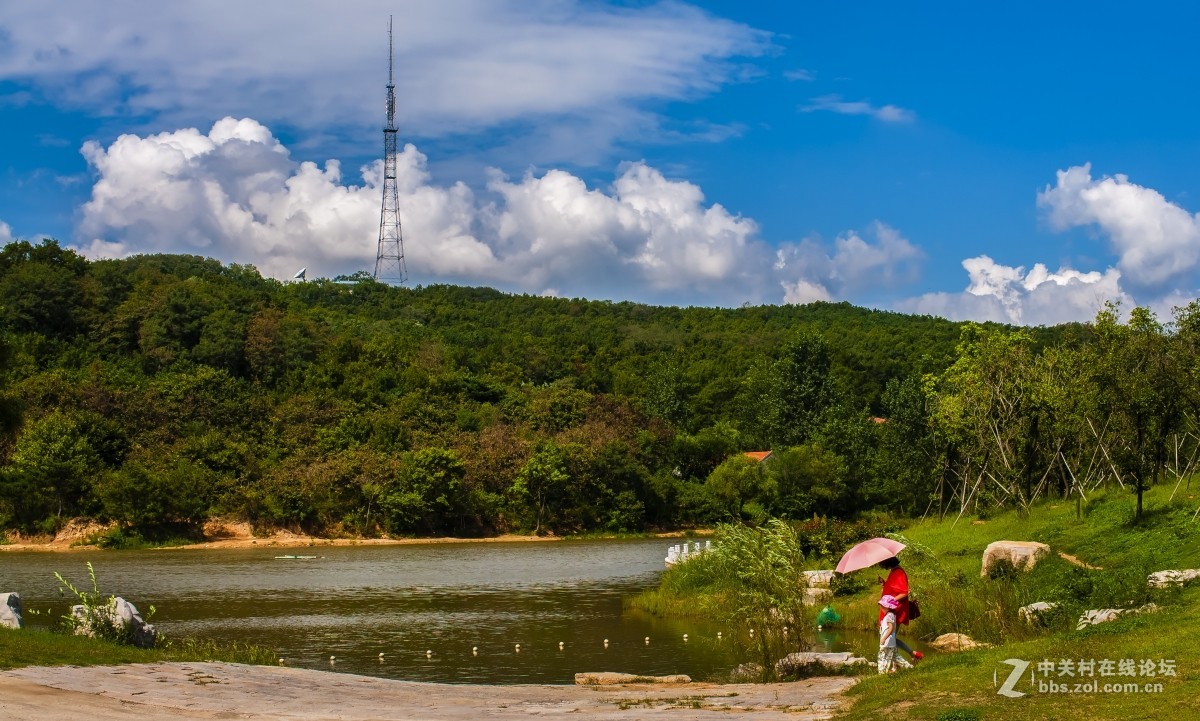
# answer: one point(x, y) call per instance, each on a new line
point(332, 659)
point(381, 655)
point(281, 660)
point(718, 634)
point(474, 650)
point(560, 645)
point(518, 648)
point(819, 627)
point(606, 643)
point(685, 638)
point(751, 633)
point(428, 653)
point(647, 640)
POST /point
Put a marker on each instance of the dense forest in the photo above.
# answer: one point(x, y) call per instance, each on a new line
point(158, 391)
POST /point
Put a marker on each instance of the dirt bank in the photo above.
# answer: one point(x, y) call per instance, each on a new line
point(239, 534)
point(142, 692)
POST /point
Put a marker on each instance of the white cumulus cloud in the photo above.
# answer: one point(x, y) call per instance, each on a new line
point(236, 194)
point(854, 265)
point(6, 235)
point(1156, 241)
point(1010, 294)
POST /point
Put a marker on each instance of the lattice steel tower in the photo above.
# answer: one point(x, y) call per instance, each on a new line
point(389, 259)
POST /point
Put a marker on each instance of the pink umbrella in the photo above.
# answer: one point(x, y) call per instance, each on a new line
point(868, 553)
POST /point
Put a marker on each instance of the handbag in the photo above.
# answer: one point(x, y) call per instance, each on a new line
point(914, 611)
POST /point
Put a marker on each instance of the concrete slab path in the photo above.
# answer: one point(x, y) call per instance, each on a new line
point(168, 691)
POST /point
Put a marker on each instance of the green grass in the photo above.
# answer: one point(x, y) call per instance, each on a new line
point(36, 647)
point(955, 598)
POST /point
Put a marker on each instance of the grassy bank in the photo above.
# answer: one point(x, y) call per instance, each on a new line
point(1110, 559)
point(944, 570)
point(36, 647)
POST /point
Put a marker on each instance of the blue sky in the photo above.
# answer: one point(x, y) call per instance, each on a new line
point(1022, 162)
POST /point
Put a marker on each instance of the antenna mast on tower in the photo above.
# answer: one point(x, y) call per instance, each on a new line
point(389, 259)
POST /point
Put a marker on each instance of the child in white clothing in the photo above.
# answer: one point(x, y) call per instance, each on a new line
point(888, 660)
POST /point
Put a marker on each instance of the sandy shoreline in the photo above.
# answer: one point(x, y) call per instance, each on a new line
point(239, 535)
point(141, 692)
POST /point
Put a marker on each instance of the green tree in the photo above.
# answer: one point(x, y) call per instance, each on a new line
point(794, 392)
point(1139, 384)
point(428, 495)
point(52, 467)
point(541, 483)
point(735, 483)
point(809, 479)
point(906, 470)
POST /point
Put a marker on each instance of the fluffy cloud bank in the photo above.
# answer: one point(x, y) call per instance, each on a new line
point(1008, 294)
point(852, 267)
point(1156, 241)
point(235, 193)
point(1156, 244)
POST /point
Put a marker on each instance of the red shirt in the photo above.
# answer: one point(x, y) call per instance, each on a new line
point(896, 584)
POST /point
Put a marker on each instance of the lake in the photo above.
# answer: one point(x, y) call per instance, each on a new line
point(355, 602)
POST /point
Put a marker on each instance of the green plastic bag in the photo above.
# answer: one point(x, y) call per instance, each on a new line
point(828, 616)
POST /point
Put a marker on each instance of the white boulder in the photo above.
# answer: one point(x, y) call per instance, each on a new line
point(1104, 615)
point(1165, 579)
point(816, 596)
point(1036, 612)
point(122, 616)
point(810, 663)
point(1023, 555)
point(818, 579)
point(10, 610)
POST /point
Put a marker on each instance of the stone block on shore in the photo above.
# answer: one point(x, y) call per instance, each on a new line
point(816, 596)
point(811, 663)
point(611, 678)
point(10, 610)
point(818, 579)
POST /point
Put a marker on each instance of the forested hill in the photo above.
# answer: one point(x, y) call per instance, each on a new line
point(160, 390)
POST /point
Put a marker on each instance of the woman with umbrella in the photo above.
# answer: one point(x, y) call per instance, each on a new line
point(882, 552)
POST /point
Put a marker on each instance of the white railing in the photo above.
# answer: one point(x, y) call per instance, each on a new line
point(683, 551)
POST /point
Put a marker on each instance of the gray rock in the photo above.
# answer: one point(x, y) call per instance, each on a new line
point(810, 663)
point(1165, 579)
point(1036, 612)
point(816, 596)
point(746, 673)
point(818, 579)
point(1023, 555)
point(123, 616)
point(1104, 615)
point(10, 610)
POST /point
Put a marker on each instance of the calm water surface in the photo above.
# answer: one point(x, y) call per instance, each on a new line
point(356, 602)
